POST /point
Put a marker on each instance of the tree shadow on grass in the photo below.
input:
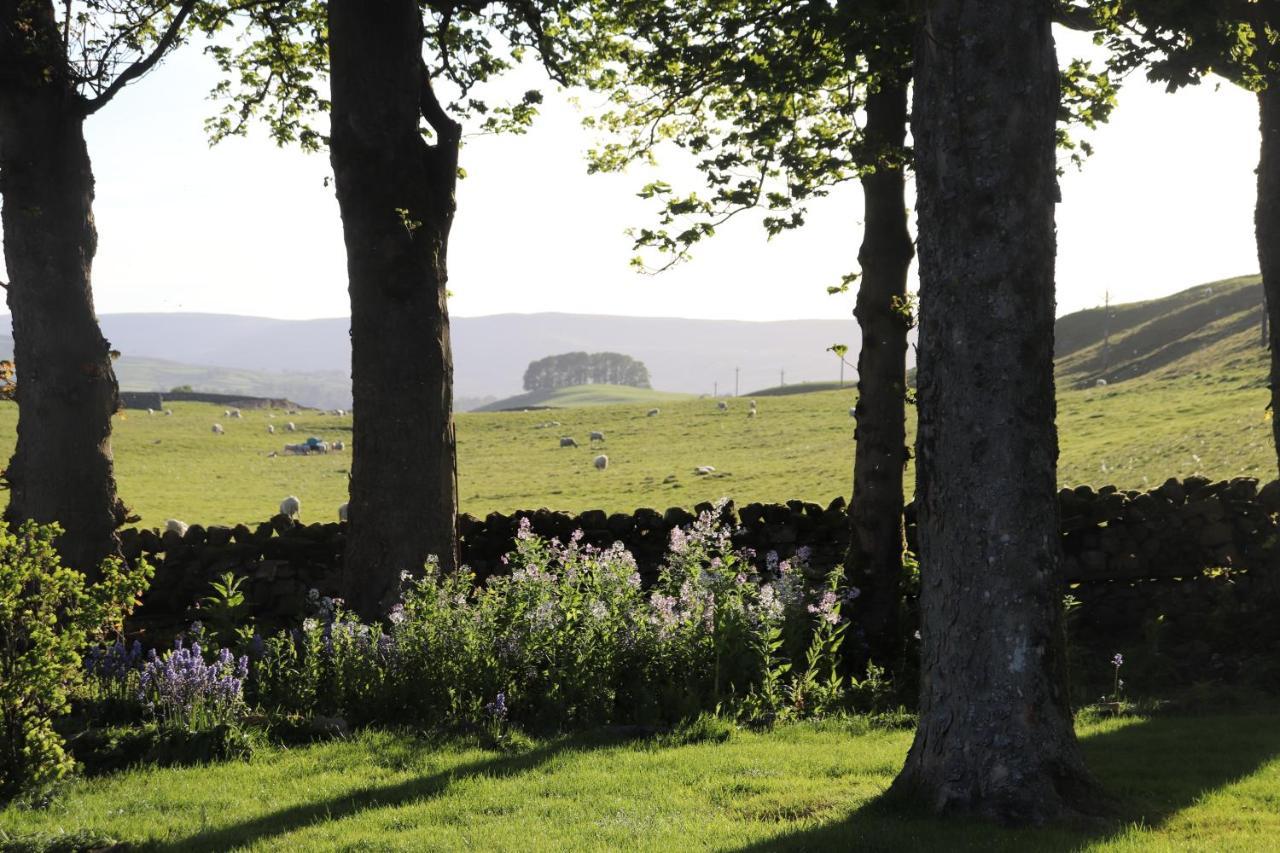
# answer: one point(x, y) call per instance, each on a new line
point(1155, 769)
point(298, 817)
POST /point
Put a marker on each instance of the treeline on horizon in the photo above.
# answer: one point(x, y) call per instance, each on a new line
point(583, 368)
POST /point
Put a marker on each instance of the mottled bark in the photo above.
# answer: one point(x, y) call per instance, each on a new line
point(396, 194)
point(1267, 229)
point(995, 736)
point(62, 467)
point(876, 537)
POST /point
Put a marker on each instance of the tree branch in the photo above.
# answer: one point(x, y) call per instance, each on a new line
point(448, 130)
point(142, 66)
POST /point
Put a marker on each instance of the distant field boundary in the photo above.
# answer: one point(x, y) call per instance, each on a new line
point(157, 399)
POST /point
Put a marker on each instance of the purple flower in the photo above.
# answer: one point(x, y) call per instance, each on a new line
point(1118, 660)
point(498, 707)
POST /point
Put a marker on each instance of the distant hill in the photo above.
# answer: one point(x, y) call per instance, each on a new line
point(583, 395)
point(1198, 330)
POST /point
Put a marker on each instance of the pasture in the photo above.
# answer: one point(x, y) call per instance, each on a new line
point(1133, 434)
point(1188, 783)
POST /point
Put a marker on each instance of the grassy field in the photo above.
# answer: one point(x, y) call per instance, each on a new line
point(585, 395)
point(1133, 434)
point(1190, 783)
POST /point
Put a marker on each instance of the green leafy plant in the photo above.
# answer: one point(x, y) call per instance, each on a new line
point(47, 615)
point(224, 612)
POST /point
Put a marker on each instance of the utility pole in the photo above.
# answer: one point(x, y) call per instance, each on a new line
point(782, 377)
point(715, 389)
point(1106, 331)
point(735, 381)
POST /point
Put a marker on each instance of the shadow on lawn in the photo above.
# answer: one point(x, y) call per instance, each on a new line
point(1155, 769)
point(301, 816)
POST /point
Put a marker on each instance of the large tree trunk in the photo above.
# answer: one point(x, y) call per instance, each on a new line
point(62, 467)
point(995, 736)
point(876, 540)
point(1267, 228)
point(396, 194)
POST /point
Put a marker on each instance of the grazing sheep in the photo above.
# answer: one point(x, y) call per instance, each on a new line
point(853, 411)
point(217, 429)
point(339, 445)
point(1101, 383)
point(601, 462)
point(271, 429)
point(226, 413)
point(751, 413)
point(753, 404)
point(151, 411)
point(568, 442)
point(290, 427)
point(235, 413)
point(290, 507)
point(340, 413)
point(702, 470)
point(722, 406)
point(342, 511)
point(596, 435)
point(168, 413)
point(652, 413)
point(297, 449)
point(178, 527)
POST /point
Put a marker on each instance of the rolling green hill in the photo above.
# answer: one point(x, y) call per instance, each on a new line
point(583, 395)
point(1186, 395)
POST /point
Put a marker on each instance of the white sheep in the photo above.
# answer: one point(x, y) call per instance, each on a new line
point(217, 429)
point(601, 462)
point(568, 441)
point(340, 413)
point(342, 511)
point(703, 470)
point(151, 411)
point(271, 429)
point(168, 413)
point(339, 445)
point(751, 413)
point(290, 507)
point(652, 413)
point(178, 527)
point(853, 411)
point(722, 406)
point(290, 427)
point(1101, 383)
point(596, 435)
point(753, 404)
point(235, 413)
point(226, 413)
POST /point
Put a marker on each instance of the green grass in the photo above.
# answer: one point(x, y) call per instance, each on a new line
point(1133, 434)
point(1191, 783)
point(585, 395)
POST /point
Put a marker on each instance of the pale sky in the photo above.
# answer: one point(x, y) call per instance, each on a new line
point(246, 228)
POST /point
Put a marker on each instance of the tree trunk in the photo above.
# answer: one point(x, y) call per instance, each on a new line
point(876, 538)
point(1267, 229)
point(62, 468)
point(995, 736)
point(396, 194)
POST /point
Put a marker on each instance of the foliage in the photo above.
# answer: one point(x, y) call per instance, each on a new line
point(225, 612)
point(184, 692)
point(568, 639)
point(580, 368)
point(47, 613)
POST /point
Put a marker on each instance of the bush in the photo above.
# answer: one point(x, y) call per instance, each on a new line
point(569, 640)
point(47, 614)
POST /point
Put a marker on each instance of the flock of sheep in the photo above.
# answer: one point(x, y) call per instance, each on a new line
point(290, 507)
point(601, 462)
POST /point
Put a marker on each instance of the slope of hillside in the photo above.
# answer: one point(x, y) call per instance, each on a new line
point(1202, 329)
point(582, 395)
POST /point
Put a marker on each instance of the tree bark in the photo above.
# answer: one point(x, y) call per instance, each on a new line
point(995, 736)
point(396, 195)
point(876, 536)
point(1267, 230)
point(62, 467)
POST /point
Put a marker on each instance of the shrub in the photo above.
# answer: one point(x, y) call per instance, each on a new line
point(47, 614)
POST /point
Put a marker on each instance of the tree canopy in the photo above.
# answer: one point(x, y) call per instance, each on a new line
point(581, 368)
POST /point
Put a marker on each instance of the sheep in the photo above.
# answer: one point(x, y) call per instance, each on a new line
point(703, 470)
point(722, 406)
point(339, 412)
point(271, 429)
point(596, 435)
point(567, 441)
point(226, 413)
point(168, 413)
point(853, 411)
point(342, 511)
point(151, 411)
point(1101, 383)
point(178, 527)
point(290, 427)
point(235, 413)
point(290, 507)
point(339, 445)
point(601, 462)
point(753, 404)
point(751, 413)
point(297, 449)
point(217, 429)
point(653, 413)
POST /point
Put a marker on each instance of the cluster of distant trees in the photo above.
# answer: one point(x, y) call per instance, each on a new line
point(585, 368)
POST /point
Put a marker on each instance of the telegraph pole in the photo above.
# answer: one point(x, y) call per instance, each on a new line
point(782, 377)
point(735, 381)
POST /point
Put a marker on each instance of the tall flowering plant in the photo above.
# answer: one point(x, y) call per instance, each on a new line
point(181, 689)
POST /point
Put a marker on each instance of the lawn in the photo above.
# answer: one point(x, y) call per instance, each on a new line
point(1133, 434)
point(1182, 783)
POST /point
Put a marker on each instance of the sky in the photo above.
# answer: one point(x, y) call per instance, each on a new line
point(245, 227)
